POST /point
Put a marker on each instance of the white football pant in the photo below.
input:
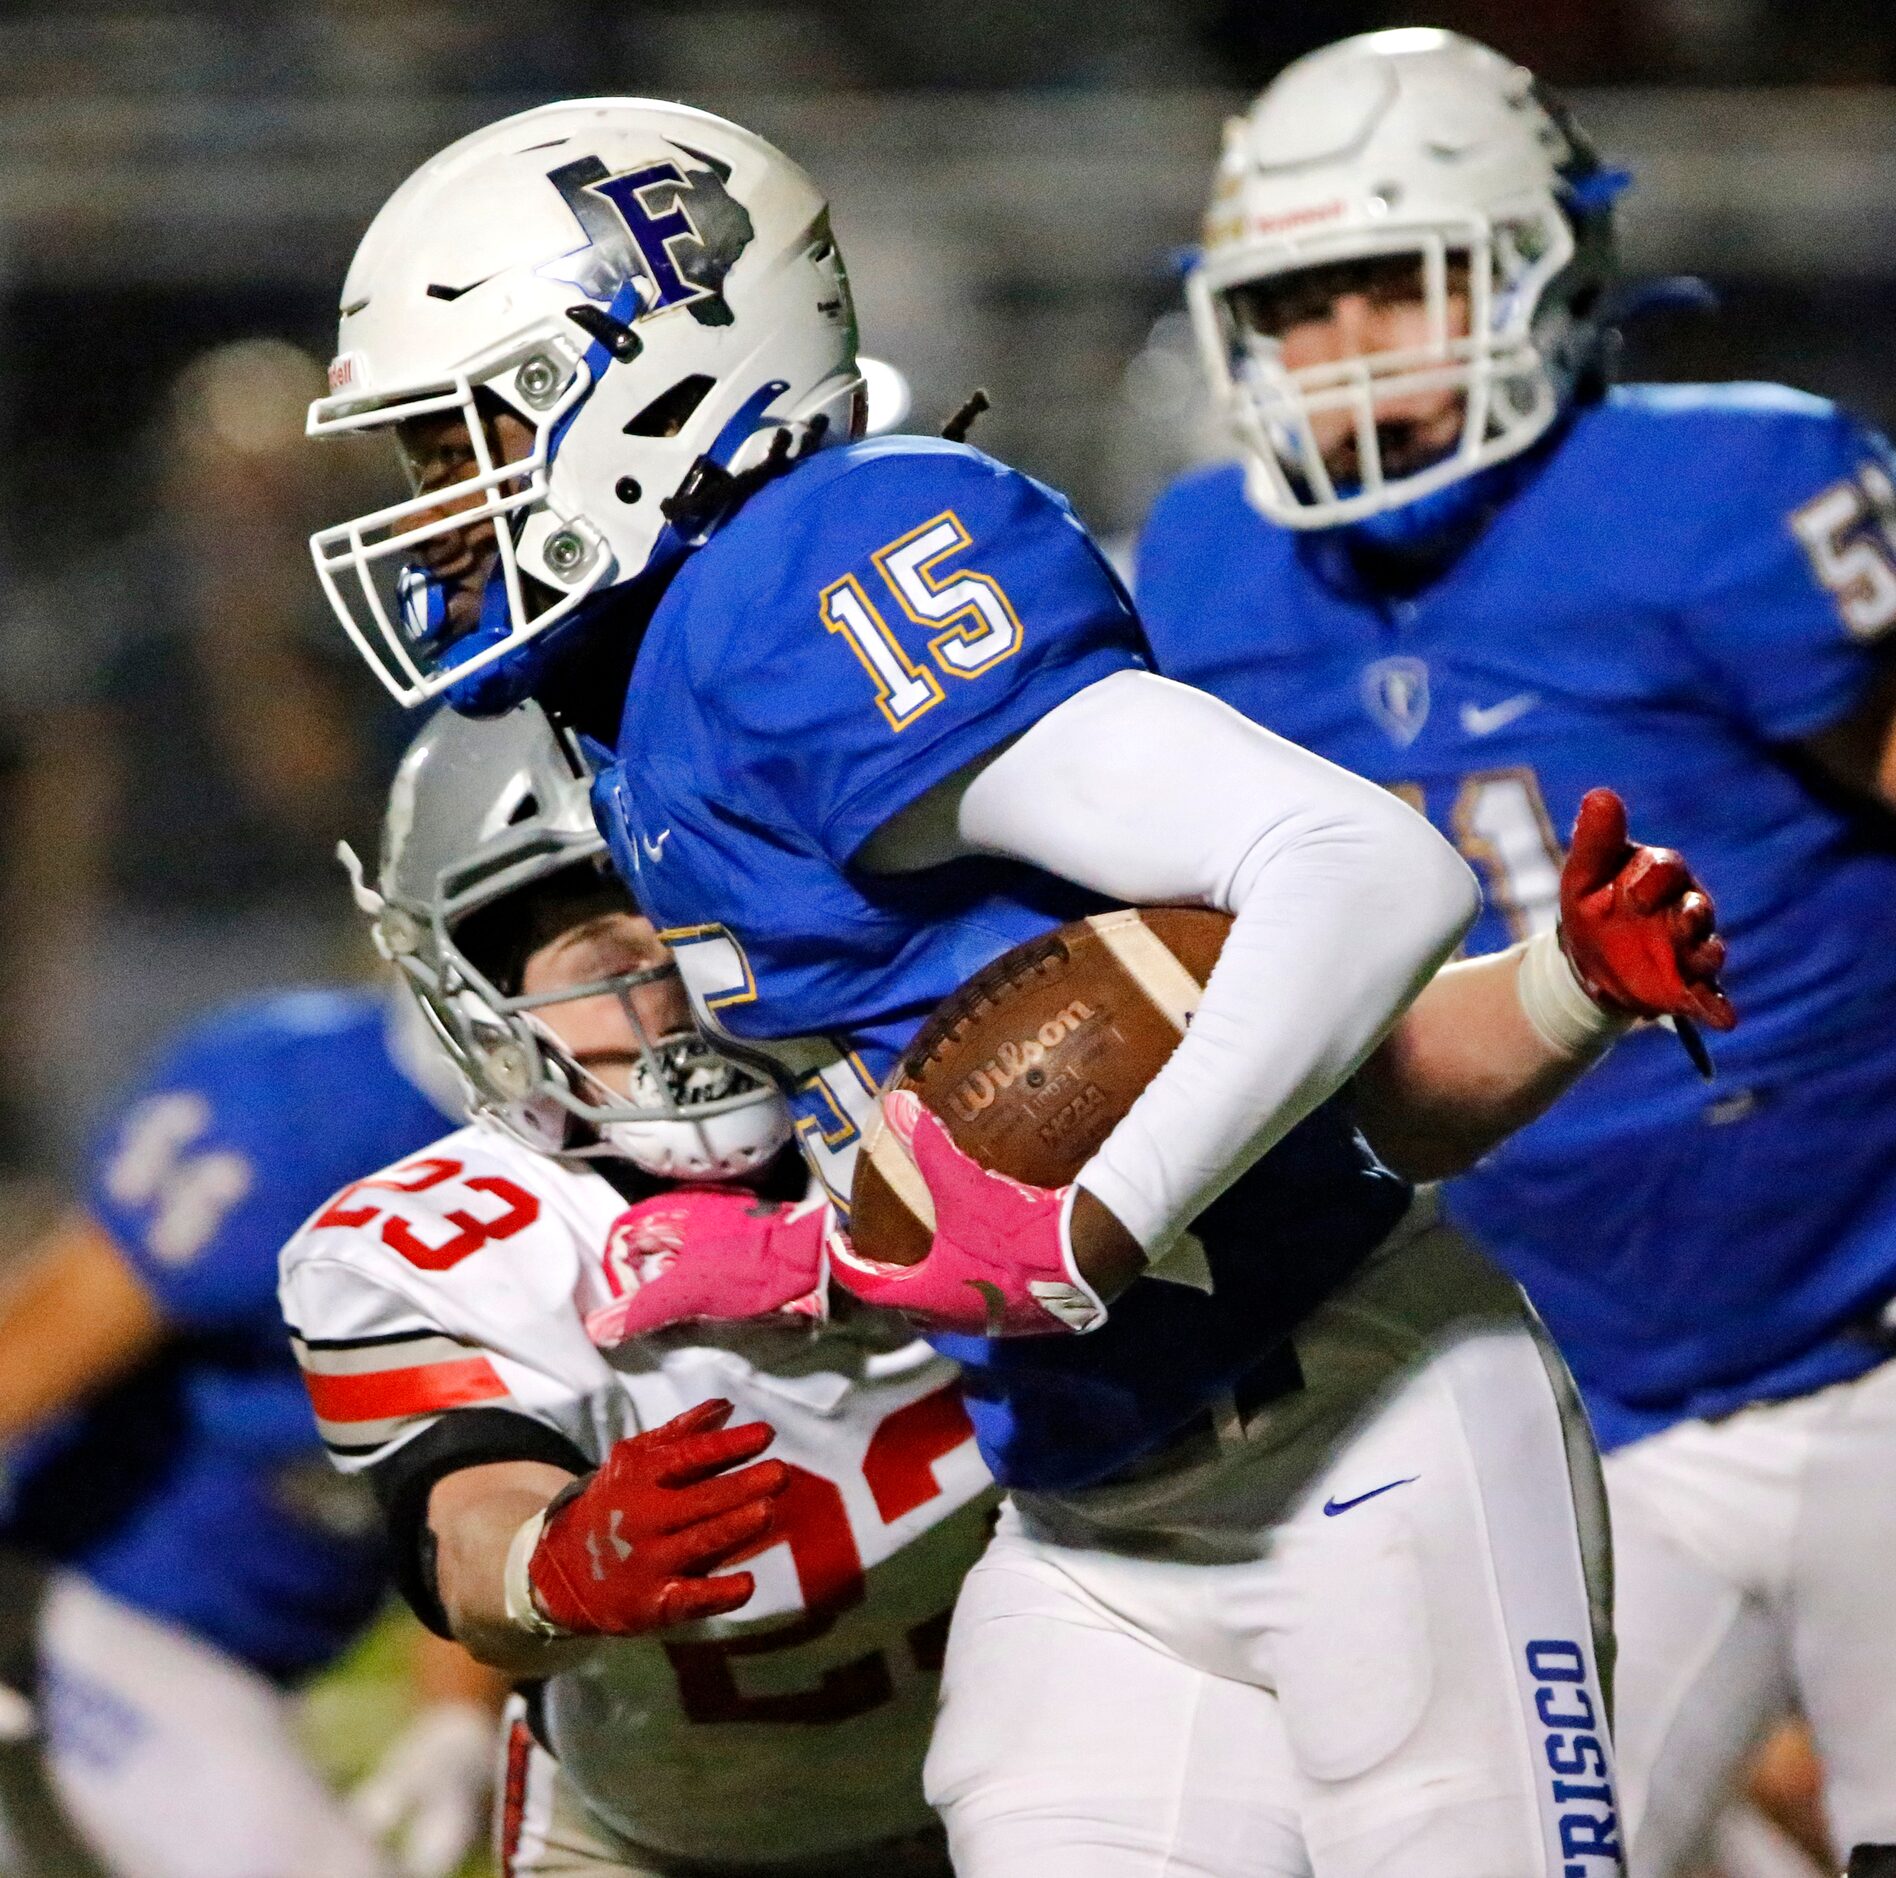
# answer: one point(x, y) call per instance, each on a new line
point(1756, 1565)
point(173, 1760)
point(544, 1829)
point(1359, 1642)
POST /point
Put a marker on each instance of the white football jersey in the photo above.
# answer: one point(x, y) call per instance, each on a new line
point(795, 1727)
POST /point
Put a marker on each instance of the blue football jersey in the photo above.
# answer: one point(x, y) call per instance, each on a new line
point(863, 628)
point(197, 1490)
point(1691, 579)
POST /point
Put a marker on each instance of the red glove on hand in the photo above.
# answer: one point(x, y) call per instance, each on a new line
point(709, 1253)
point(999, 1266)
point(630, 1548)
point(1636, 926)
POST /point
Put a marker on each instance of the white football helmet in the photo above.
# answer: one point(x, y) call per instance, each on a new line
point(1416, 143)
point(488, 812)
point(652, 292)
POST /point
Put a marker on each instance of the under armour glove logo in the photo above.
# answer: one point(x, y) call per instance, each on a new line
point(635, 1546)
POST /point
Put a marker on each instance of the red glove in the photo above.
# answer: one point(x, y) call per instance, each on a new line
point(1636, 926)
point(631, 1547)
point(1000, 1265)
point(709, 1253)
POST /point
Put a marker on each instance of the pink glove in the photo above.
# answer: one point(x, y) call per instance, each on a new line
point(716, 1253)
point(1000, 1265)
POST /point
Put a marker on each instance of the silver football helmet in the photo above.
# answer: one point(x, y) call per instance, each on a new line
point(485, 811)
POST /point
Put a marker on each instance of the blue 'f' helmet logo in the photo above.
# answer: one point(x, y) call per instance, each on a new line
point(672, 224)
point(638, 196)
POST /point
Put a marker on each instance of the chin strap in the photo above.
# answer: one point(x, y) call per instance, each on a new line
point(1445, 520)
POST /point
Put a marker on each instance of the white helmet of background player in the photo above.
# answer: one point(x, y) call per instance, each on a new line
point(652, 292)
point(483, 816)
point(1410, 143)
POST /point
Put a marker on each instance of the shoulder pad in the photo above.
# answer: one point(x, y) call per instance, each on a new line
point(450, 1277)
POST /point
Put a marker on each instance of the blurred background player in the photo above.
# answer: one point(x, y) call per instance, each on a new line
point(1453, 559)
point(560, 1491)
point(196, 749)
point(179, 1555)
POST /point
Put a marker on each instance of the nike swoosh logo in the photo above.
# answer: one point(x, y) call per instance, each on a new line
point(1478, 721)
point(1333, 1507)
point(654, 845)
point(438, 290)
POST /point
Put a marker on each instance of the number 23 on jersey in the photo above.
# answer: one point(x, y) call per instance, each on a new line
point(967, 619)
point(507, 1209)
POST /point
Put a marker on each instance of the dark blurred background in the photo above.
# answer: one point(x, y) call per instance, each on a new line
point(183, 731)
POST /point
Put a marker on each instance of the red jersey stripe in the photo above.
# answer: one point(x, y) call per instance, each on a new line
point(513, 1798)
point(387, 1394)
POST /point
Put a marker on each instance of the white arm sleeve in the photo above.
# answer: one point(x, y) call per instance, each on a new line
point(1345, 904)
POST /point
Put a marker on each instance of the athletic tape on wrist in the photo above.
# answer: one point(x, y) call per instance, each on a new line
point(1084, 1309)
point(516, 1583)
point(1563, 1012)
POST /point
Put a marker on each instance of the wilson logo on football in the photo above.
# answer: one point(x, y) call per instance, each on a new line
point(1031, 1062)
point(1012, 1061)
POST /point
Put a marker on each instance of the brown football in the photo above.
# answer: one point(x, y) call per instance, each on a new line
point(1032, 1061)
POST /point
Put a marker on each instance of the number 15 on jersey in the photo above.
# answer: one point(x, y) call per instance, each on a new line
point(969, 621)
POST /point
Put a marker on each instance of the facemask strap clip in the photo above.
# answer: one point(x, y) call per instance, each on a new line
point(366, 898)
point(368, 901)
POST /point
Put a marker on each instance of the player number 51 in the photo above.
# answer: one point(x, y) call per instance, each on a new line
point(1854, 564)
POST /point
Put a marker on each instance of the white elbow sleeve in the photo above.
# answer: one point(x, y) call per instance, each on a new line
point(1344, 903)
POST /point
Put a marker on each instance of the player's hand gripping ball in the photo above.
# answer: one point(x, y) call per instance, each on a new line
point(635, 1545)
point(998, 1263)
point(710, 1255)
point(1636, 926)
point(961, 1193)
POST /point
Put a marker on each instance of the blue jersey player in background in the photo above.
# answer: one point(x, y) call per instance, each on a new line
point(869, 714)
point(1455, 562)
point(190, 1553)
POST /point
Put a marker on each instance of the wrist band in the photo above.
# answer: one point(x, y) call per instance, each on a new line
point(523, 1612)
point(1076, 1304)
point(1563, 1012)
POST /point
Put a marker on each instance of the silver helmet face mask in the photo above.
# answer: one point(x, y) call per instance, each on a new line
point(482, 812)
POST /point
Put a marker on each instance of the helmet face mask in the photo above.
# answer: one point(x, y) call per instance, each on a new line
point(645, 290)
point(669, 1111)
point(489, 853)
point(1424, 158)
point(375, 569)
